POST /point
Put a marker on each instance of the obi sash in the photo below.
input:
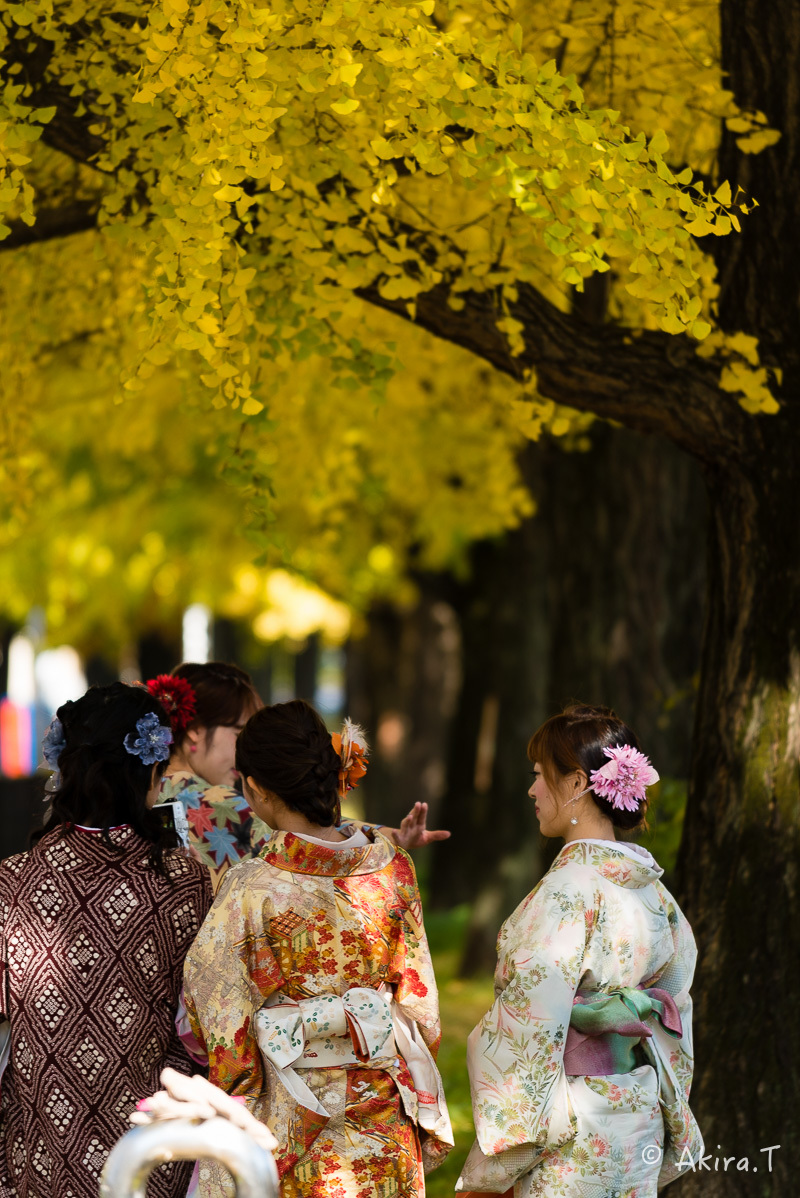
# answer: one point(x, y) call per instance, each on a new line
point(326, 1030)
point(360, 1027)
point(606, 1026)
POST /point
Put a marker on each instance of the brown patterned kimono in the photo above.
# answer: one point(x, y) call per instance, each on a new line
point(310, 989)
point(92, 944)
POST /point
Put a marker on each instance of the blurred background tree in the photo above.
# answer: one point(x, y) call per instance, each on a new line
point(206, 205)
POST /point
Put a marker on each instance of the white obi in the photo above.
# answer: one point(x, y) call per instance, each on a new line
point(315, 1033)
point(360, 1027)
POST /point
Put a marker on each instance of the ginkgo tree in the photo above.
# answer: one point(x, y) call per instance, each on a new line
point(251, 173)
point(118, 515)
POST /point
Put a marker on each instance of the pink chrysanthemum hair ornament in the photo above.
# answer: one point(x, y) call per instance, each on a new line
point(351, 745)
point(624, 780)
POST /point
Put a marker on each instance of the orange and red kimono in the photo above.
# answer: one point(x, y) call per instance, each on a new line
point(311, 990)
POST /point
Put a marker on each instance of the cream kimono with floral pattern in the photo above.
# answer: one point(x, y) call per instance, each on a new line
point(600, 919)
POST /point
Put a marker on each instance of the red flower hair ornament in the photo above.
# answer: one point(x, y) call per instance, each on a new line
point(351, 745)
point(176, 696)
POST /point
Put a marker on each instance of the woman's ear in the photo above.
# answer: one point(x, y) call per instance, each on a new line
point(253, 787)
point(154, 789)
point(193, 739)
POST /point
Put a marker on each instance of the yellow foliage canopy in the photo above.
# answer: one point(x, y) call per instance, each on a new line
point(248, 171)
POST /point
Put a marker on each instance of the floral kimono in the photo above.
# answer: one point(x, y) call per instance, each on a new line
point(580, 1072)
point(311, 991)
point(221, 827)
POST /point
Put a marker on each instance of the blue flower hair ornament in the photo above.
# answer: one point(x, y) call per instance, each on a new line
point(153, 741)
point(53, 745)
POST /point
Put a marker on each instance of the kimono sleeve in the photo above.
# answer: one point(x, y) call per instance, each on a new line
point(673, 1060)
point(229, 974)
point(6, 1179)
point(4, 911)
point(417, 1028)
point(520, 1095)
point(415, 988)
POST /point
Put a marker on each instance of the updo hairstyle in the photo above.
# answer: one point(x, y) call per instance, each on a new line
point(287, 749)
point(574, 740)
point(224, 694)
point(101, 784)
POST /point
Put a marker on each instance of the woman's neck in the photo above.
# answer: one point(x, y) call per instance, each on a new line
point(591, 829)
point(179, 762)
point(293, 821)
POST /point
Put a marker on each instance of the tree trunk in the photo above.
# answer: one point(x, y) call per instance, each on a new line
point(158, 652)
point(494, 856)
point(738, 870)
point(402, 680)
point(306, 669)
point(625, 564)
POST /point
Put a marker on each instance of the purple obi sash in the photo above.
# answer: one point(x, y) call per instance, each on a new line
point(606, 1026)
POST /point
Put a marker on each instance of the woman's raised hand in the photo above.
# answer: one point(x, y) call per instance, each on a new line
point(413, 832)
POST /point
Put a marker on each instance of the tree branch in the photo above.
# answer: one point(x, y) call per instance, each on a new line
point(649, 381)
point(53, 222)
point(67, 131)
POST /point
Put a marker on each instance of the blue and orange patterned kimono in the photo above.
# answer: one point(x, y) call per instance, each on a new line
point(222, 828)
point(310, 989)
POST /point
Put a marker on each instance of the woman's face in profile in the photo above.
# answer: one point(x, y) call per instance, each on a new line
point(546, 804)
point(214, 756)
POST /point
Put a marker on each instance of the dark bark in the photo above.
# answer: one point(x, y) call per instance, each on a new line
point(402, 680)
point(306, 668)
point(625, 564)
point(738, 870)
point(494, 855)
point(61, 221)
point(158, 652)
point(758, 271)
point(650, 382)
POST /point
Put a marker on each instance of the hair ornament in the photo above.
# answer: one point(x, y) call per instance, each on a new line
point(351, 745)
point(624, 779)
point(153, 741)
point(53, 745)
point(177, 697)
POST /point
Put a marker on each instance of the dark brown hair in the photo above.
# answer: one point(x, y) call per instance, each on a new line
point(574, 740)
point(101, 783)
point(224, 694)
point(287, 749)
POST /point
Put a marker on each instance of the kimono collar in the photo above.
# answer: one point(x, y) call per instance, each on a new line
point(65, 840)
point(185, 778)
point(621, 863)
point(287, 851)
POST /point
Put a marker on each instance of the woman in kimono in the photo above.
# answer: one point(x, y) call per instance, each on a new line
point(580, 1072)
point(208, 705)
point(95, 921)
point(309, 988)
